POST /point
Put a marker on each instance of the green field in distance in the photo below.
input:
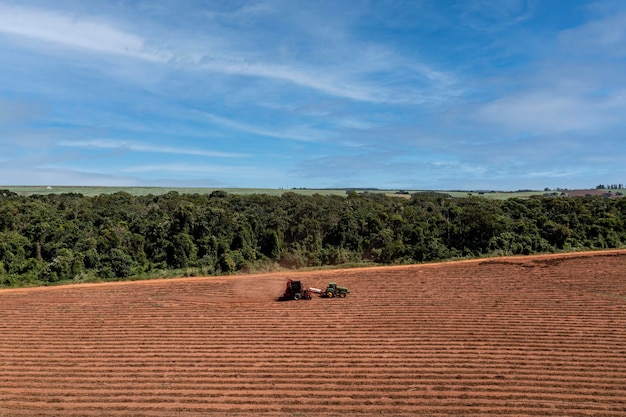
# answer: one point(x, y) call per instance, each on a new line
point(90, 191)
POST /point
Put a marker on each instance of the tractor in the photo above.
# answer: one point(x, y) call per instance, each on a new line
point(333, 290)
point(295, 291)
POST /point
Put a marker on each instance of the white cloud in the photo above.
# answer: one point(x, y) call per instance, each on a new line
point(553, 112)
point(493, 15)
point(94, 36)
point(222, 171)
point(302, 133)
point(139, 147)
point(607, 35)
point(558, 173)
point(62, 176)
point(579, 86)
point(318, 80)
point(72, 31)
point(340, 76)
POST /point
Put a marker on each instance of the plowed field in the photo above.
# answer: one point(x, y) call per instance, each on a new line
point(524, 336)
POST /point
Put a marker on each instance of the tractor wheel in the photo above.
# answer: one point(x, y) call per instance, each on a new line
point(330, 294)
point(296, 296)
point(342, 294)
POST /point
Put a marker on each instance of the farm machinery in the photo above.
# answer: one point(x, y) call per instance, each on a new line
point(294, 290)
point(334, 290)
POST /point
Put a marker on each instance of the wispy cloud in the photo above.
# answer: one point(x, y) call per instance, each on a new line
point(553, 111)
point(72, 31)
point(606, 36)
point(203, 168)
point(66, 176)
point(577, 88)
point(221, 173)
point(495, 15)
point(317, 80)
point(459, 93)
point(98, 36)
point(148, 148)
point(302, 133)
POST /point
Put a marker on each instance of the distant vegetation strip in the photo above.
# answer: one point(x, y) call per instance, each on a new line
point(69, 237)
point(92, 191)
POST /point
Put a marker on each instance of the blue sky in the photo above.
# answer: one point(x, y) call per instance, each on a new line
point(409, 94)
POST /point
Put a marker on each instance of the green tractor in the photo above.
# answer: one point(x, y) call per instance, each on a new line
point(335, 291)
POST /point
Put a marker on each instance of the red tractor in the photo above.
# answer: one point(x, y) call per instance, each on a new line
point(295, 291)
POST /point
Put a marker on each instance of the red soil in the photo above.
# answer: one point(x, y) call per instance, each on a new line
point(523, 336)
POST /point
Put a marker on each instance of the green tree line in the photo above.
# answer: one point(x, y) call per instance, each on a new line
point(53, 238)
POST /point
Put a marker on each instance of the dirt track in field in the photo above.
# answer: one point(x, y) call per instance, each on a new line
point(527, 336)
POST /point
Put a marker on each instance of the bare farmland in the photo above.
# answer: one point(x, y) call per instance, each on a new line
point(528, 336)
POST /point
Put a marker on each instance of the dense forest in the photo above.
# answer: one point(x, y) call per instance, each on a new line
point(47, 239)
